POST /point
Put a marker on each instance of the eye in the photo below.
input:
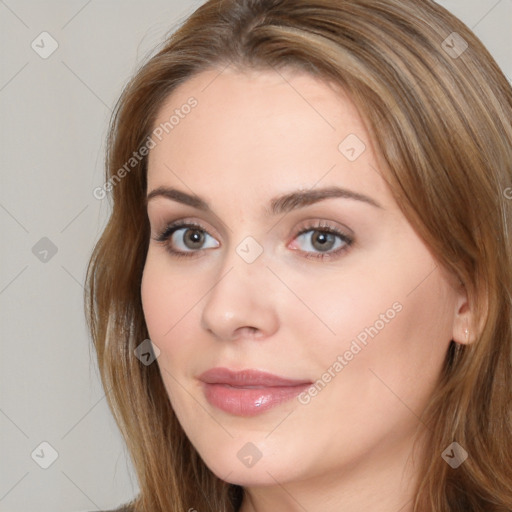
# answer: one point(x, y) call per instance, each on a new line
point(328, 240)
point(188, 237)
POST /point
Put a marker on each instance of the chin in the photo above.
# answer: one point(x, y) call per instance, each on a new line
point(235, 466)
point(253, 477)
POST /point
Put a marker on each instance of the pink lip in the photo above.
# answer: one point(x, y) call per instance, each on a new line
point(248, 392)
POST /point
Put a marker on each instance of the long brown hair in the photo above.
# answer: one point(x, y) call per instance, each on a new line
point(439, 111)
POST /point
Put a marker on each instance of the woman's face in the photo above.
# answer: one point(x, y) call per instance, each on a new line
point(282, 274)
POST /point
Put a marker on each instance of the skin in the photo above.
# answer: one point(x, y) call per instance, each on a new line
point(255, 135)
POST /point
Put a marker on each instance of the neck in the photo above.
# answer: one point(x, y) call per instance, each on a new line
point(385, 482)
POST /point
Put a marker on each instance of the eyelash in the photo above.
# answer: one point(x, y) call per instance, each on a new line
point(166, 234)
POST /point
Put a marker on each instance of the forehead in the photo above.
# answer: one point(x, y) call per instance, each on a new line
point(260, 132)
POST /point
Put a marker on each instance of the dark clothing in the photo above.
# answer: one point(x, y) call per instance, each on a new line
point(122, 508)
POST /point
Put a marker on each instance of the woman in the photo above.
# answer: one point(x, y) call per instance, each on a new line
point(311, 223)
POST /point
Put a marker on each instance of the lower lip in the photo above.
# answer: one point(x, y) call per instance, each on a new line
point(249, 401)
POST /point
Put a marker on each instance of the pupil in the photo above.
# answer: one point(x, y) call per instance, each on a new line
point(324, 239)
point(195, 237)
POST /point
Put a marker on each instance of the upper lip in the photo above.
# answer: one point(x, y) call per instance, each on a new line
point(246, 378)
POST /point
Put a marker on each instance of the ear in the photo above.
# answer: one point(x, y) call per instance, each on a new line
point(465, 329)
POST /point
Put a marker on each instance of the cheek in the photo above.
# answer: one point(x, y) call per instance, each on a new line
point(380, 369)
point(389, 319)
point(353, 305)
point(172, 303)
point(155, 300)
point(168, 304)
point(166, 299)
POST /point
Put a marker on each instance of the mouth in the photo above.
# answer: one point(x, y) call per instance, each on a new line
point(248, 392)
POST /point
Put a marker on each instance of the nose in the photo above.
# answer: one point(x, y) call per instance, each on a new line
point(239, 304)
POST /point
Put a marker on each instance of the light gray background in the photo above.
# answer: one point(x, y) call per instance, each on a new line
point(54, 114)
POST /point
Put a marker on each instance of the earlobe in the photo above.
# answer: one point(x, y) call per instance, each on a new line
point(465, 328)
point(461, 332)
point(462, 319)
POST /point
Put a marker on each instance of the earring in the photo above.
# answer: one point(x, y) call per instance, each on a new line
point(466, 332)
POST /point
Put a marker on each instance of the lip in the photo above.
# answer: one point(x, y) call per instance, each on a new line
point(248, 392)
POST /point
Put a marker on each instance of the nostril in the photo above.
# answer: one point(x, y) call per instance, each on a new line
point(248, 332)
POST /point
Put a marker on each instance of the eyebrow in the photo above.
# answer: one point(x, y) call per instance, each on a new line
point(278, 205)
